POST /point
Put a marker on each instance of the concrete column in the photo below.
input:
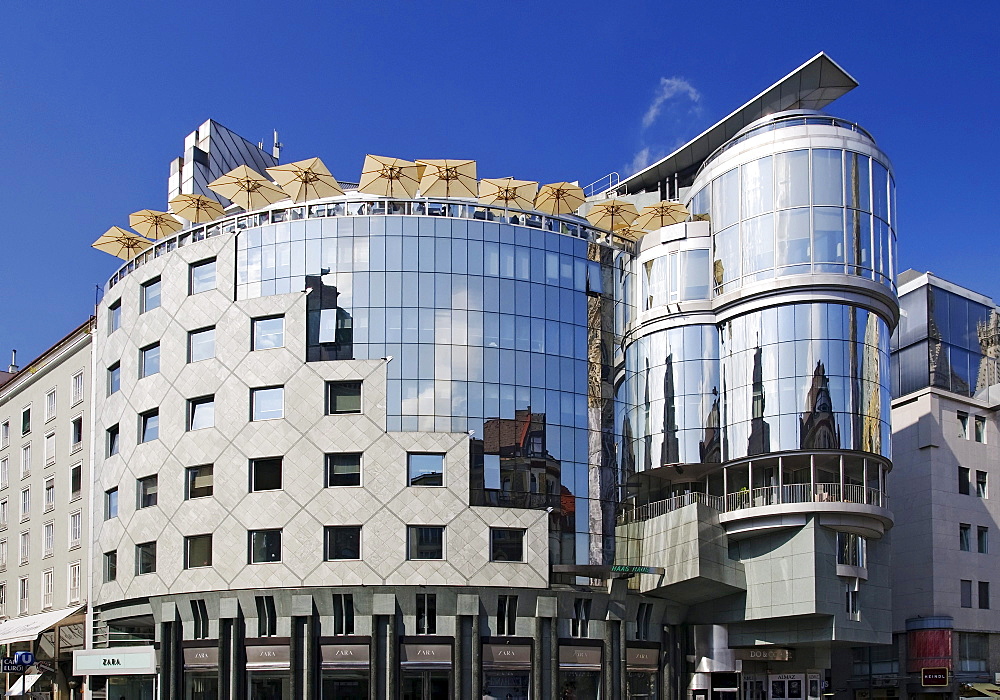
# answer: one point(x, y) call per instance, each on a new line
point(536, 658)
point(235, 657)
point(547, 608)
point(171, 663)
point(477, 658)
point(467, 610)
point(384, 608)
point(301, 650)
point(608, 674)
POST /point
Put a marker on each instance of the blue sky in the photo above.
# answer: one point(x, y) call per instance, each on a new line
point(96, 98)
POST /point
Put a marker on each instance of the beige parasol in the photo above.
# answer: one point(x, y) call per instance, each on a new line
point(448, 178)
point(631, 233)
point(305, 179)
point(508, 192)
point(121, 243)
point(247, 188)
point(559, 198)
point(612, 214)
point(389, 177)
point(154, 224)
point(196, 208)
point(662, 214)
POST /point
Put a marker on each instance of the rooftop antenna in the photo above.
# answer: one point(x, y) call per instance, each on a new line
point(13, 362)
point(276, 151)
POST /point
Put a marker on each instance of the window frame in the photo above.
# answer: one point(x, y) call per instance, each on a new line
point(253, 486)
point(196, 266)
point(51, 404)
point(493, 544)
point(190, 344)
point(189, 476)
point(143, 497)
point(192, 410)
point(144, 419)
point(965, 537)
point(412, 530)
point(112, 440)
point(253, 403)
point(330, 530)
point(109, 565)
point(331, 385)
point(144, 359)
point(411, 480)
point(144, 288)
point(114, 315)
point(114, 378)
point(264, 532)
point(190, 540)
point(255, 338)
point(77, 395)
point(329, 458)
point(111, 502)
point(147, 551)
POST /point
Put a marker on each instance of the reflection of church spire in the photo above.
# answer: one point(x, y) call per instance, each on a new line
point(760, 431)
point(710, 447)
point(871, 427)
point(670, 449)
point(988, 333)
point(647, 423)
point(818, 424)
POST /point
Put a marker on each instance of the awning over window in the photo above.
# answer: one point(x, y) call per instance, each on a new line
point(23, 684)
point(27, 628)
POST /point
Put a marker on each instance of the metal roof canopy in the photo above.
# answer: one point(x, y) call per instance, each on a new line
point(813, 85)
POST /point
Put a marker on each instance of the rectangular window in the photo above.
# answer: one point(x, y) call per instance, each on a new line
point(4, 434)
point(149, 296)
point(643, 619)
point(197, 551)
point(201, 413)
point(965, 590)
point(25, 460)
point(265, 474)
point(76, 434)
point(3, 600)
point(580, 624)
point(343, 614)
point(965, 537)
point(25, 503)
point(110, 566)
point(963, 425)
point(48, 539)
point(980, 433)
point(74, 582)
point(425, 469)
point(973, 651)
point(111, 503)
point(425, 542)
point(342, 542)
point(77, 388)
point(963, 480)
point(267, 403)
point(76, 482)
point(506, 544)
point(983, 539)
point(149, 425)
point(49, 496)
point(114, 378)
point(25, 547)
point(75, 529)
point(201, 345)
point(3, 554)
point(343, 469)
point(49, 449)
point(146, 489)
point(112, 440)
point(265, 546)
point(268, 333)
point(22, 595)
point(506, 615)
point(3, 512)
point(149, 360)
point(981, 490)
point(984, 595)
point(114, 316)
point(426, 613)
point(50, 405)
point(199, 612)
point(4, 473)
point(145, 558)
point(25, 421)
point(202, 276)
point(343, 397)
point(200, 481)
point(267, 616)
point(47, 589)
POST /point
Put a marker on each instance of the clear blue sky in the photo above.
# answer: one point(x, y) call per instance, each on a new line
point(95, 100)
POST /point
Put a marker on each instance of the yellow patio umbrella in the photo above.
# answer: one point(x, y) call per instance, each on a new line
point(508, 192)
point(121, 243)
point(631, 233)
point(448, 178)
point(612, 214)
point(559, 198)
point(662, 214)
point(196, 208)
point(305, 179)
point(154, 224)
point(247, 188)
point(389, 177)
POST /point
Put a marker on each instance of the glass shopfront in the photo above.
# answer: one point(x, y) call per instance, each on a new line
point(506, 672)
point(268, 674)
point(425, 672)
point(201, 673)
point(345, 674)
point(642, 666)
point(579, 673)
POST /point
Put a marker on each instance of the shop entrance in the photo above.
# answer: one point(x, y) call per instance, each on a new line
point(425, 685)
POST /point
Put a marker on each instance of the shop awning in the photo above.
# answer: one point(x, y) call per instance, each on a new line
point(23, 629)
point(981, 690)
point(23, 684)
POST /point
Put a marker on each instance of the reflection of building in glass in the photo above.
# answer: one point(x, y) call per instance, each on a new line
point(818, 424)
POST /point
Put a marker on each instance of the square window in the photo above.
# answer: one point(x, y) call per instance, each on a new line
point(149, 296)
point(200, 481)
point(268, 333)
point(267, 403)
point(75, 482)
point(964, 537)
point(146, 491)
point(201, 413)
point(342, 542)
point(145, 558)
point(343, 469)
point(343, 397)
point(114, 378)
point(202, 276)
point(425, 469)
point(197, 551)
point(149, 360)
point(506, 544)
point(149, 426)
point(201, 345)
point(114, 316)
point(265, 546)
point(265, 474)
point(980, 433)
point(110, 566)
point(425, 542)
point(25, 420)
point(111, 504)
point(112, 440)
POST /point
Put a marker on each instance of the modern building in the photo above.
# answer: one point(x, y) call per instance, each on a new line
point(44, 474)
point(945, 395)
point(419, 447)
